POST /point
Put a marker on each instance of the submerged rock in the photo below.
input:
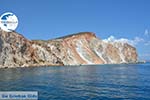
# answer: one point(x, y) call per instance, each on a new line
point(76, 49)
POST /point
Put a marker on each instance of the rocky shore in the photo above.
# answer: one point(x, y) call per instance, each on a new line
point(76, 49)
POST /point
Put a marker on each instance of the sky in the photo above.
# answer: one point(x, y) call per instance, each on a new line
point(127, 20)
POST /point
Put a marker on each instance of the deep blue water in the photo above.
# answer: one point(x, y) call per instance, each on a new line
point(99, 82)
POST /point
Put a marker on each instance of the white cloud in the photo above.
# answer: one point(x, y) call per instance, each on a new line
point(138, 40)
point(147, 43)
point(133, 42)
point(144, 55)
point(146, 32)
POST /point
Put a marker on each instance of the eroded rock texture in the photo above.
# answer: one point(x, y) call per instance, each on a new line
point(76, 49)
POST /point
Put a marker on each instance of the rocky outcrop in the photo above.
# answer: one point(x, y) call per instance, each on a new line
point(17, 51)
point(76, 49)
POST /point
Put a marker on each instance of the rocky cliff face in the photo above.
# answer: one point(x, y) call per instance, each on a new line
point(17, 51)
point(76, 49)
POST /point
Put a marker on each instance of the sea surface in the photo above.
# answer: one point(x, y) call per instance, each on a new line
point(92, 82)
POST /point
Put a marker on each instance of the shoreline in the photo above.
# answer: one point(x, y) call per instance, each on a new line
point(50, 65)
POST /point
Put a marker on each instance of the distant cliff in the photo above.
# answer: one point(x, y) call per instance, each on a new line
point(76, 49)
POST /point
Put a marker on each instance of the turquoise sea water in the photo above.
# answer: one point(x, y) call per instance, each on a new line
point(93, 82)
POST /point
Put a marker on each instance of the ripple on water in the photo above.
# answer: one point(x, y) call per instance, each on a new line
point(102, 82)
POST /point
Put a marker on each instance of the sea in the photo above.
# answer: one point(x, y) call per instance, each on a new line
point(88, 82)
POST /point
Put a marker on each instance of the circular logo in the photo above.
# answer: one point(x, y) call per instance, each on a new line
point(8, 22)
